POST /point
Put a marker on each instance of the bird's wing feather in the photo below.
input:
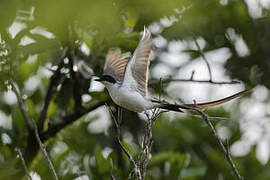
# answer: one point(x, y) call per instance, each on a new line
point(136, 74)
point(115, 64)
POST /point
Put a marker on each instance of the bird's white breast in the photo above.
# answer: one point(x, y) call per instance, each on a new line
point(128, 98)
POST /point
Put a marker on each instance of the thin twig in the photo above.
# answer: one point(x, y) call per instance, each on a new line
point(55, 79)
point(22, 106)
point(229, 157)
point(211, 118)
point(111, 170)
point(75, 81)
point(45, 153)
point(224, 150)
point(192, 74)
point(32, 124)
point(131, 174)
point(136, 169)
point(167, 80)
point(203, 56)
point(23, 163)
point(117, 124)
point(69, 119)
point(200, 51)
point(147, 141)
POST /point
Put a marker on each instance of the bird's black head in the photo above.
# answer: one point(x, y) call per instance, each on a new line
point(106, 78)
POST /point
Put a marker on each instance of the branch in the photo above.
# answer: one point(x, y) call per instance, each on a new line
point(45, 153)
point(201, 52)
point(148, 141)
point(55, 79)
point(210, 118)
point(69, 119)
point(32, 125)
point(76, 85)
point(140, 164)
point(23, 162)
point(22, 106)
point(111, 169)
point(204, 57)
point(167, 80)
point(224, 150)
point(118, 137)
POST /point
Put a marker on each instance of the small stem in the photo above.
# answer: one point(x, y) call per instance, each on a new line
point(167, 80)
point(45, 153)
point(31, 124)
point(118, 137)
point(23, 162)
point(111, 171)
point(201, 52)
point(54, 81)
point(224, 150)
point(22, 106)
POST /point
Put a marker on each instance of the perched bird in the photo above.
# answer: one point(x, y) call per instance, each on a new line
point(126, 78)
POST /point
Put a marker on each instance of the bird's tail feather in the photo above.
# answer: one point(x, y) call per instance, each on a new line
point(171, 107)
point(178, 107)
point(220, 101)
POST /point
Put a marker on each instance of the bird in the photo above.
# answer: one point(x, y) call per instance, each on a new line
point(125, 77)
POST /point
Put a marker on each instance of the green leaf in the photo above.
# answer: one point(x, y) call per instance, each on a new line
point(86, 165)
point(46, 45)
point(31, 109)
point(25, 70)
point(103, 164)
point(18, 122)
point(8, 168)
point(59, 157)
point(172, 157)
point(52, 109)
point(194, 171)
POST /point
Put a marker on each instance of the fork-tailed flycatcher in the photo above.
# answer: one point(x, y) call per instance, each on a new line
point(126, 79)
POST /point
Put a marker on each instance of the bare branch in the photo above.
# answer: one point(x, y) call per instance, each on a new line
point(117, 124)
point(32, 125)
point(22, 105)
point(147, 142)
point(224, 150)
point(203, 56)
point(69, 119)
point(136, 168)
point(111, 171)
point(203, 115)
point(167, 80)
point(201, 52)
point(45, 153)
point(55, 79)
point(23, 162)
point(229, 157)
point(211, 118)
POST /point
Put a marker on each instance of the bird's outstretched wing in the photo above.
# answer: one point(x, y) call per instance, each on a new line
point(136, 74)
point(115, 64)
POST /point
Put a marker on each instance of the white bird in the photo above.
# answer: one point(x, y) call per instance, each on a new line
point(126, 79)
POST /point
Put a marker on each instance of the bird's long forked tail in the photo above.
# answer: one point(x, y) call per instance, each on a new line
point(178, 107)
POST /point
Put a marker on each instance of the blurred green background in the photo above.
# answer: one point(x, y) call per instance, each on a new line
point(57, 47)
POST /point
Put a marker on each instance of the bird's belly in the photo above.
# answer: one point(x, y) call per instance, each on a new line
point(132, 101)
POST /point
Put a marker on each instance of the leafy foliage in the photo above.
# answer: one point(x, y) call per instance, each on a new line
point(47, 56)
